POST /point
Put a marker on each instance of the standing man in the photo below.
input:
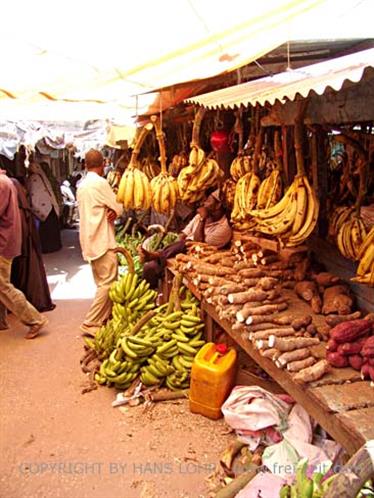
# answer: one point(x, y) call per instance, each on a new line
point(10, 247)
point(97, 211)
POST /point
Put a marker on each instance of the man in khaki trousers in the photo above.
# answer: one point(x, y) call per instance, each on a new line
point(97, 211)
point(11, 298)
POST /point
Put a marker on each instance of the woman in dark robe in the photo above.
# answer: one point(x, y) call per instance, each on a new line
point(45, 208)
point(28, 272)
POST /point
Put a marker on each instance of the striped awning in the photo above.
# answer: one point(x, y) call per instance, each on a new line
point(288, 85)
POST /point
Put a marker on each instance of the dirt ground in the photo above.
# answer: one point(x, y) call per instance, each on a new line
point(59, 443)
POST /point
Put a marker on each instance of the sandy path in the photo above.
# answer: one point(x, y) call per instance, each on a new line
point(59, 443)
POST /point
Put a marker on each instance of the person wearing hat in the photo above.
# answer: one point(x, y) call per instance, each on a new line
point(210, 224)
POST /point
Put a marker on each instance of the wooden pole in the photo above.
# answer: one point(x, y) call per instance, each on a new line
point(285, 155)
point(232, 489)
point(354, 474)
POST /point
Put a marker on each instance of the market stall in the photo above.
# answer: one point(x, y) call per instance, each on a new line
point(295, 186)
point(340, 401)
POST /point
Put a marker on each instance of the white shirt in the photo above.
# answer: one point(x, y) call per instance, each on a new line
point(96, 234)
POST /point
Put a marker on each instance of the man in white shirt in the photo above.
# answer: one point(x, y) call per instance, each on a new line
point(97, 211)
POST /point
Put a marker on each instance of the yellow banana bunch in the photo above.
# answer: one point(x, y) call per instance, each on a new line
point(339, 216)
point(245, 196)
point(350, 236)
point(150, 168)
point(208, 175)
point(178, 162)
point(196, 157)
point(240, 166)
point(270, 190)
point(365, 269)
point(294, 217)
point(114, 178)
point(199, 175)
point(228, 189)
point(134, 190)
point(164, 193)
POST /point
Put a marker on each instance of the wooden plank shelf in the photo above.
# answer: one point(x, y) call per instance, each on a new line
point(336, 402)
point(269, 244)
point(345, 269)
point(344, 397)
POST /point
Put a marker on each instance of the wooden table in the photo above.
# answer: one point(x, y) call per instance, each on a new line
point(340, 402)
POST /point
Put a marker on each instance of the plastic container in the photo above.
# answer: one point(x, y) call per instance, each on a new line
point(212, 377)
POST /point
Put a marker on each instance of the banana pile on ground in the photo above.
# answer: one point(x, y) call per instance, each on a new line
point(134, 190)
point(198, 176)
point(159, 351)
point(131, 299)
point(294, 217)
point(365, 269)
point(314, 487)
point(348, 230)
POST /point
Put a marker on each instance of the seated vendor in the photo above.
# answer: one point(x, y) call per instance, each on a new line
point(209, 225)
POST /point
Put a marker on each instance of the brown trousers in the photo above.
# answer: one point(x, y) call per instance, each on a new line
point(14, 300)
point(104, 270)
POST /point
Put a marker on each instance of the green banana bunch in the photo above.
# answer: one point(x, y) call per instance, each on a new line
point(117, 371)
point(131, 298)
point(164, 348)
point(105, 339)
point(177, 380)
point(305, 487)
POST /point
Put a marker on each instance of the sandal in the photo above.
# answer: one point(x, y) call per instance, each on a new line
point(34, 330)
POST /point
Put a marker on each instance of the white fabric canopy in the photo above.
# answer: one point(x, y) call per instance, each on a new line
point(102, 54)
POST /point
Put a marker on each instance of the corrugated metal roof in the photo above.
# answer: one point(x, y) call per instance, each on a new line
point(286, 85)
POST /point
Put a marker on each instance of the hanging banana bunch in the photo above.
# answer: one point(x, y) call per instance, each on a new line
point(150, 168)
point(347, 226)
point(241, 164)
point(202, 172)
point(134, 190)
point(294, 217)
point(179, 160)
point(228, 191)
point(365, 255)
point(351, 235)
point(246, 191)
point(270, 190)
point(164, 186)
